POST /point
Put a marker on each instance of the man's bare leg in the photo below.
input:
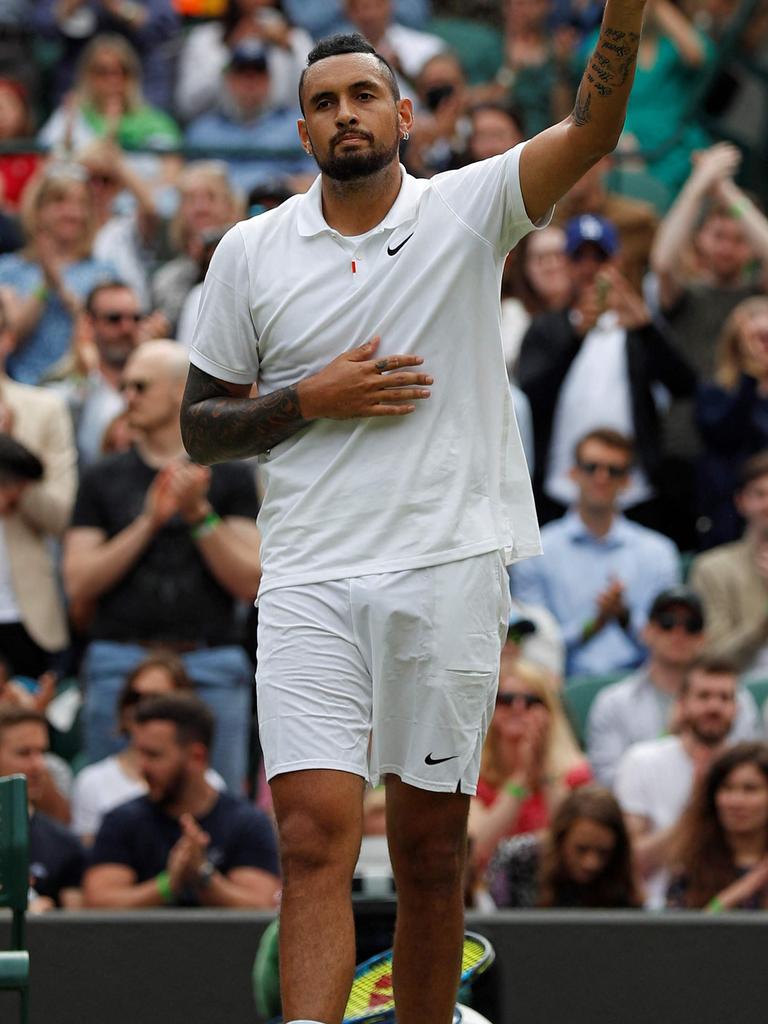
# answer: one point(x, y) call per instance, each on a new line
point(427, 835)
point(319, 817)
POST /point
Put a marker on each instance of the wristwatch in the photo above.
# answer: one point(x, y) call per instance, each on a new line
point(205, 874)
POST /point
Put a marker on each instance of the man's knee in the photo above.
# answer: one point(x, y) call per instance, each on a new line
point(317, 833)
point(429, 863)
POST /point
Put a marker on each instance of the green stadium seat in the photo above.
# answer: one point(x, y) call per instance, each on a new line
point(759, 690)
point(578, 695)
point(639, 184)
point(265, 978)
point(480, 48)
point(14, 886)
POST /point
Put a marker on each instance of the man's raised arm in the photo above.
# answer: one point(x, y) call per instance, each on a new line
point(556, 158)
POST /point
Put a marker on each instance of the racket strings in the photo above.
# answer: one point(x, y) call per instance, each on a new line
point(372, 998)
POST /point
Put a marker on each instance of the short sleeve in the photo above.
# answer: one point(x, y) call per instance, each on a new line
point(237, 496)
point(88, 509)
point(225, 343)
point(255, 845)
point(629, 788)
point(73, 867)
point(85, 805)
point(487, 198)
point(112, 844)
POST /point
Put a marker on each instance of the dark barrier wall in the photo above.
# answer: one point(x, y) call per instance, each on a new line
point(193, 967)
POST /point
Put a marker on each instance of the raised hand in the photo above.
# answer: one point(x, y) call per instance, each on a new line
point(189, 483)
point(357, 385)
point(161, 501)
point(197, 843)
point(621, 297)
point(610, 602)
point(716, 164)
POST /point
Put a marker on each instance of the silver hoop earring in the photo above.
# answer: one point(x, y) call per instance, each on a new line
point(406, 136)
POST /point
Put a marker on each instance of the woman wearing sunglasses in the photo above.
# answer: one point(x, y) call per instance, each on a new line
point(530, 759)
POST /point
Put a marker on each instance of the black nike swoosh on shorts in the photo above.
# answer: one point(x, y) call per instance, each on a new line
point(438, 760)
point(395, 251)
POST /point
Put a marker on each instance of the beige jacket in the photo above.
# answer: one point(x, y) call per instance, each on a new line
point(735, 601)
point(41, 421)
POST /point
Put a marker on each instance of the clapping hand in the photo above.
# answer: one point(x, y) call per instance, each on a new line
point(187, 855)
point(715, 165)
point(610, 602)
point(189, 483)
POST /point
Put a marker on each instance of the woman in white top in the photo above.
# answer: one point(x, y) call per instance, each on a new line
point(115, 780)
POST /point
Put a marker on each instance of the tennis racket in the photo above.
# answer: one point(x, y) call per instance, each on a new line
point(371, 999)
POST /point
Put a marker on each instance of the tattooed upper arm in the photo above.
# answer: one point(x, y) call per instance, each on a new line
point(201, 385)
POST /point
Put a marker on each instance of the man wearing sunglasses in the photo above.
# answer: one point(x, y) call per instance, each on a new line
point(599, 572)
point(160, 551)
point(643, 706)
point(110, 328)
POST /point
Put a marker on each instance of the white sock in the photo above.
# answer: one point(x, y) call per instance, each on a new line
point(303, 1022)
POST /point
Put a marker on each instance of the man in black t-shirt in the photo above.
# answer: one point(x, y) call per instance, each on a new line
point(183, 843)
point(162, 550)
point(56, 858)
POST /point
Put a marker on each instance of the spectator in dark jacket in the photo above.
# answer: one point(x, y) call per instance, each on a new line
point(732, 416)
point(598, 363)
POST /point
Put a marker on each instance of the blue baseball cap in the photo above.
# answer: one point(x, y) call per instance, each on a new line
point(591, 228)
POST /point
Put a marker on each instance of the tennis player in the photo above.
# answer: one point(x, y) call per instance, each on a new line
point(367, 314)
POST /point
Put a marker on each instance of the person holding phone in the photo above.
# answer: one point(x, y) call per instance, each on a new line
point(598, 363)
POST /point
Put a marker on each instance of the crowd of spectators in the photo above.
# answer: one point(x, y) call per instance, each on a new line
point(133, 134)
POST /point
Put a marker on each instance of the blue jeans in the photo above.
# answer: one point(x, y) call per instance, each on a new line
point(222, 677)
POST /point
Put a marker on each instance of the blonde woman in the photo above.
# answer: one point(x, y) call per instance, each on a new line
point(732, 416)
point(208, 203)
point(530, 758)
point(54, 273)
point(107, 100)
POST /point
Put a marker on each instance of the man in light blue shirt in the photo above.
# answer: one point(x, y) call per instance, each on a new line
point(599, 572)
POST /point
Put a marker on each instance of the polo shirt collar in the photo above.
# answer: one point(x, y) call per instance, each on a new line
point(312, 222)
point(576, 530)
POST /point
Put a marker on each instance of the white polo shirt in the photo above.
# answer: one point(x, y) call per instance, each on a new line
point(285, 294)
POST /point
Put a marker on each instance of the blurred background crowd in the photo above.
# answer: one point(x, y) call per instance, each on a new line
point(627, 762)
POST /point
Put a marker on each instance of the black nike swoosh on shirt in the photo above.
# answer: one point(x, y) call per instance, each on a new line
point(438, 760)
point(395, 251)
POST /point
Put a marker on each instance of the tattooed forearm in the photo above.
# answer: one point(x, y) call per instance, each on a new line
point(217, 425)
point(608, 75)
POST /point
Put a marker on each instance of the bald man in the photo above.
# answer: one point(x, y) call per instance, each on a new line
point(159, 552)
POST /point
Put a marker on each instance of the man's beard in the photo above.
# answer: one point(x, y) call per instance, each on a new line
point(354, 166)
point(172, 791)
point(708, 737)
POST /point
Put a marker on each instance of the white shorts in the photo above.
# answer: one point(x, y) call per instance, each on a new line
point(395, 672)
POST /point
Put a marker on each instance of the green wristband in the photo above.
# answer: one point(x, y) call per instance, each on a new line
point(517, 790)
point(205, 526)
point(41, 293)
point(163, 885)
point(715, 906)
point(589, 629)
